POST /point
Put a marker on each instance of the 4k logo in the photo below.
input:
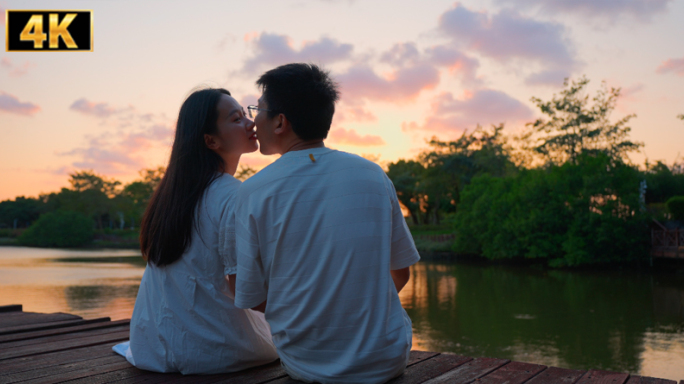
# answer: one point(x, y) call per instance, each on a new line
point(49, 30)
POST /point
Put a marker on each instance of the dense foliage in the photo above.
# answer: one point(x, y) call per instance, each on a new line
point(577, 213)
point(676, 207)
point(59, 229)
point(563, 192)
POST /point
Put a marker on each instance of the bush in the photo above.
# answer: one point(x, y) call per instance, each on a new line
point(59, 229)
point(570, 215)
point(676, 207)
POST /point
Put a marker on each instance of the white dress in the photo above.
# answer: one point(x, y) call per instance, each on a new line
point(184, 319)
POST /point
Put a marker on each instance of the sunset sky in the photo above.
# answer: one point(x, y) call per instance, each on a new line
point(408, 70)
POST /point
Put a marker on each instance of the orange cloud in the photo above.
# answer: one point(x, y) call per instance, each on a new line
point(10, 103)
point(350, 137)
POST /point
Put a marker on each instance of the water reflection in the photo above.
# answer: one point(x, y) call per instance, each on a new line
point(623, 321)
point(604, 320)
point(99, 283)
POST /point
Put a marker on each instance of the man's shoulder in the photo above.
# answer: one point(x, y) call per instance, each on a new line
point(350, 159)
point(261, 179)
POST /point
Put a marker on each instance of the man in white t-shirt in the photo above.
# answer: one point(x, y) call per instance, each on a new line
point(322, 247)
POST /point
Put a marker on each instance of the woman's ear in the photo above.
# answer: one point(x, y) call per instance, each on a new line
point(211, 142)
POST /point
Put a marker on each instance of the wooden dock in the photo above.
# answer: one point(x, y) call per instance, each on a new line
point(59, 347)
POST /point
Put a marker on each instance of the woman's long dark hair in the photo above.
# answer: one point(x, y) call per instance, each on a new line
point(166, 229)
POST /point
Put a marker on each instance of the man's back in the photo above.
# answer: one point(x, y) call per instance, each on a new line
point(317, 238)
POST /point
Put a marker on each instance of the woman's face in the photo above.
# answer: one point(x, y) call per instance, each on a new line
point(235, 133)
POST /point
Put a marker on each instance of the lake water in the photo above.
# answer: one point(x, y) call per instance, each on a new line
point(627, 321)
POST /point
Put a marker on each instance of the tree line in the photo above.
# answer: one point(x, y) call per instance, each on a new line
point(564, 191)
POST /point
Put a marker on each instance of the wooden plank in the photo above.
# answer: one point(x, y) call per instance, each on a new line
point(554, 375)
point(469, 371)
point(37, 349)
point(90, 375)
point(28, 363)
point(57, 370)
point(603, 377)
point(418, 356)
point(430, 368)
point(11, 308)
point(13, 319)
point(112, 326)
point(254, 375)
point(55, 324)
point(648, 380)
point(423, 367)
point(512, 373)
point(57, 329)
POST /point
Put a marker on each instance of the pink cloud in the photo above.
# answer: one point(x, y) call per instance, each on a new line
point(552, 77)
point(350, 137)
point(484, 107)
point(672, 66)
point(10, 103)
point(86, 107)
point(271, 50)
point(16, 70)
point(352, 111)
point(630, 93)
point(400, 85)
point(106, 160)
point(602, 9)
point(508, 35)
point(122, 152)
point(456, 61)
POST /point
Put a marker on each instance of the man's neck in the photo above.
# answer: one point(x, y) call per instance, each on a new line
point(301, 145)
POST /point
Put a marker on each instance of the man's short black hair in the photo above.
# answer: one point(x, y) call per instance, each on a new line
point(305, 94)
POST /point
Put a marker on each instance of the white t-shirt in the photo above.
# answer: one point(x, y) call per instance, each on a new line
point(183, 320)
point(318, 241)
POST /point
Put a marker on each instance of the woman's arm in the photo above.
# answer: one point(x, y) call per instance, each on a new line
point(231, 285)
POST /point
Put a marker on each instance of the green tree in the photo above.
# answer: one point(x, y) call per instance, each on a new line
point(89, 180)
point(135, 196)
point(406, 176)
point(663, 182)
point(576, 213)
point(22, 209)
point(244, 172)
point(676, 207)
point(451, 165)
point(90, 194)
point(573, 125)
point(59, 229)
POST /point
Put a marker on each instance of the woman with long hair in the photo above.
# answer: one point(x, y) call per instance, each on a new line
point(184, 319)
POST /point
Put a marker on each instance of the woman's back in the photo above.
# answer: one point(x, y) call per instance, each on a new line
point(184, 318)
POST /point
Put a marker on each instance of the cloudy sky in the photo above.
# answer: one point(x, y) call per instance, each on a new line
point(408, 70)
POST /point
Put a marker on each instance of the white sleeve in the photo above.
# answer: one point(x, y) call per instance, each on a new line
point(404, 252)
point(226, 245)
point(250, 285)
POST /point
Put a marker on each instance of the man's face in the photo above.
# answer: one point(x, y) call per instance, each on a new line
point(265, 127)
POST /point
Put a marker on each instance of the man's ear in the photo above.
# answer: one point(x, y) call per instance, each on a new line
point(211, 142)
point(283, 126)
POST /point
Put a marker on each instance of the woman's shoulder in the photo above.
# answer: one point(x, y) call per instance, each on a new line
point(223, 187)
